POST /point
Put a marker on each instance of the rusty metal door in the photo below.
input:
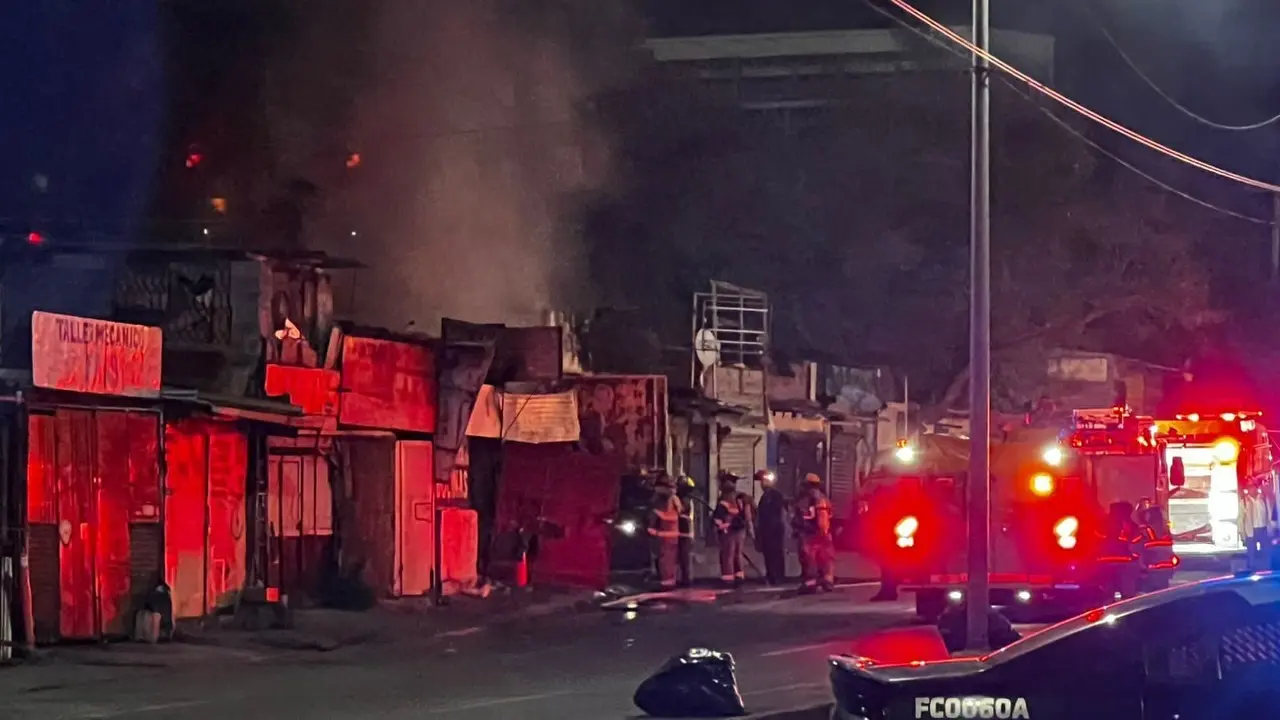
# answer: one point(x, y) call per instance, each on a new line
point(186, 521)
point(113, 581)
point(92, 499)
point(415, 550)
point(77, 602)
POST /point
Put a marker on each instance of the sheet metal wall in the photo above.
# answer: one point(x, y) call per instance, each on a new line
point(93, 508)
point(207, 465)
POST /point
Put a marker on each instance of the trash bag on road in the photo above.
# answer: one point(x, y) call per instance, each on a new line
point(696, 683)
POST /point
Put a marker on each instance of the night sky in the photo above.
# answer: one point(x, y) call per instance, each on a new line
point(84, 85)
point(84, 98)
point(94, 123)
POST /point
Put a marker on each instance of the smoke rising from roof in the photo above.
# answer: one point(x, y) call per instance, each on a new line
point(467, 117)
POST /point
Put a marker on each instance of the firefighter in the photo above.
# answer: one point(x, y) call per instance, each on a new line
point(733, 524)
point(873, 495)
point(664, 529)
point(813, 522)
point(1121, 547)
point(1157, 545)
point(684, 493)
point(771, 528)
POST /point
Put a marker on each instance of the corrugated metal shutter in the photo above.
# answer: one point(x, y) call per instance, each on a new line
point(844, 471)
point(43, 553)
point(738, 454)
point(146, 569)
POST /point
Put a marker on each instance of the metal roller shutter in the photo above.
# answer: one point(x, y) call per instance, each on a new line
point(844, 471)
point(738, 454)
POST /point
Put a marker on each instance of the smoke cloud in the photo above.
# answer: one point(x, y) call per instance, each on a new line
point(473, 150)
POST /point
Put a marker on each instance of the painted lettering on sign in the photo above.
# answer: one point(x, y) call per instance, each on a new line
point(387, 384)
point(95, 356)
point(971, 707)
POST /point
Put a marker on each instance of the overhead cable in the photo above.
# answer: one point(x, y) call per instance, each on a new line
point(1164, 95)
point(938, 42)
point(1077, 107)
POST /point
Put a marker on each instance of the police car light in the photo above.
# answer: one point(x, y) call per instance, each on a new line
point(1054, 456)
point(1042, 484)
point(1226, 450)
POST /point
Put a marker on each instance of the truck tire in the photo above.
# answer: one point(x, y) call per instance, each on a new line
point(930, 604)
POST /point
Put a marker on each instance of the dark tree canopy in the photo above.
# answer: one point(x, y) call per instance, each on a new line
point(856, 222)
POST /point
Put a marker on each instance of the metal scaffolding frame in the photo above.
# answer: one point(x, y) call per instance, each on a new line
point(739, 322)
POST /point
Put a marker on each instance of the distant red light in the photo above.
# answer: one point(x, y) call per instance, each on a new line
point(194, 159)
point(35, 239)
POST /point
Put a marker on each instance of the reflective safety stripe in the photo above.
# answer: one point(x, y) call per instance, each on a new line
point(663, 533)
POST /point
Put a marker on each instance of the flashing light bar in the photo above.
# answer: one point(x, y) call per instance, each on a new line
point(1042, 484)
point(1226, 416)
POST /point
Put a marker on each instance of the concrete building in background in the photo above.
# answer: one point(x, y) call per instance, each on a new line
point(794, 77)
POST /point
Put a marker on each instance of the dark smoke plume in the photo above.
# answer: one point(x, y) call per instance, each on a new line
point(464, 125)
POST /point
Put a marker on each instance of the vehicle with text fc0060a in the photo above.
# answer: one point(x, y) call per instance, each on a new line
point(1201, 651)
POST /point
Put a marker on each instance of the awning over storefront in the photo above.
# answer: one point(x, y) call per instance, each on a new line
point(533, 419)
point(231, 407)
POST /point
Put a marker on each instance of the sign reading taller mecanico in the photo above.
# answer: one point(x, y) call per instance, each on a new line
point(95, 356)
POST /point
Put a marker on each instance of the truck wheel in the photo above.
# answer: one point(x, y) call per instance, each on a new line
point(930, 604)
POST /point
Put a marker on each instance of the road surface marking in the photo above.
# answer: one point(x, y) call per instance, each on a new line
point(462, 633)
point(493, 702)
point(159, 707)
point(798, 649)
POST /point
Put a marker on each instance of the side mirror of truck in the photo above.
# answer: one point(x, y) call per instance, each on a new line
point(1177, 473)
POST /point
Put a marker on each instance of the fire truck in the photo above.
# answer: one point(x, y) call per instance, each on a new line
point(1223, 500)
point(1054, 492)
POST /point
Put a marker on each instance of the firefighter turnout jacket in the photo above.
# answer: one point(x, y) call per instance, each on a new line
point(733, 513)
point(813, 513)
point(665, 517)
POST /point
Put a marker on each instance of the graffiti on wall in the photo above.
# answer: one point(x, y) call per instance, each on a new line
point(625, 417)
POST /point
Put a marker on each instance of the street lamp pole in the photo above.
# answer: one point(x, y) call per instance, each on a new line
point(979, 484)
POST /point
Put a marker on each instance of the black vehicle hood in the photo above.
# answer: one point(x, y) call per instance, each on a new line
point(865, 670)
point(863, 688)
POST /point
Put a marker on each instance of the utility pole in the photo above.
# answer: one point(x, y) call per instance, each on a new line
point(1275, 237)
point(977, 598)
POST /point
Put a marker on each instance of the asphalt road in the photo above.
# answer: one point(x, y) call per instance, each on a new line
point(564, 667)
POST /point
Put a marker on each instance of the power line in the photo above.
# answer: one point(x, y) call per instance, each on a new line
point(1088, 7)
point(938, 42)
point(1043, 89)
